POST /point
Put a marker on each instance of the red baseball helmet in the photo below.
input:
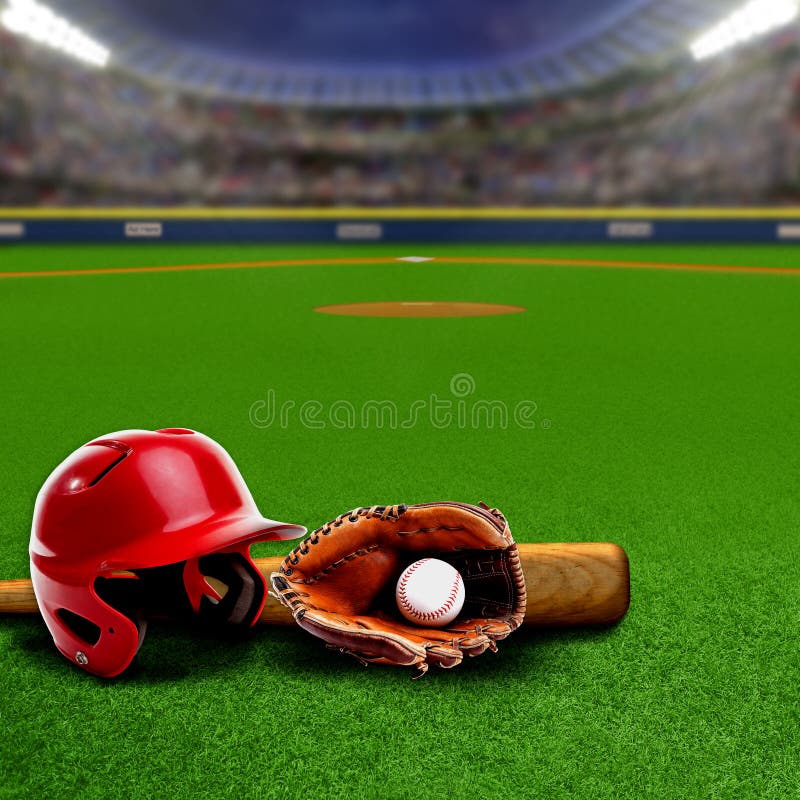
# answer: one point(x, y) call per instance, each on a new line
point(171, 509)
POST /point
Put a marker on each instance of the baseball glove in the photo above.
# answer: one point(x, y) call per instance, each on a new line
point(339, 582)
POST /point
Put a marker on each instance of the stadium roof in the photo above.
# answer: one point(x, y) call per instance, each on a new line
point(421, 53)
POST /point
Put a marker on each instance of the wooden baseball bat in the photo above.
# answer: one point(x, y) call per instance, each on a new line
point(569, 585)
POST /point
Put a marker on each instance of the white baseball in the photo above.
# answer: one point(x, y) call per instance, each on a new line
point(430, 592)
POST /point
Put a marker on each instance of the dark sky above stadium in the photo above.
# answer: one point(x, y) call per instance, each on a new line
point(389, 52)
point(350, 32)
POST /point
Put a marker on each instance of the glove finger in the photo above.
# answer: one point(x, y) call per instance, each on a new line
point(493, 628)
point(438, 646)
point(475, 645)
point(443, 655)
point(443, 647)
point(469, 639)
point(496, 630)
point(356, 634)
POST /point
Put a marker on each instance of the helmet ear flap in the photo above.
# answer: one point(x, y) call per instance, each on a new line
point(81, 627)
point(86, 630)
point(89, 631)
point(125, 596)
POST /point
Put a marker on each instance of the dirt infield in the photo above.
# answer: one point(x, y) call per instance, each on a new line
point(437, 308)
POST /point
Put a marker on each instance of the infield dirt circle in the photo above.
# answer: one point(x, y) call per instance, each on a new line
point(437, 308)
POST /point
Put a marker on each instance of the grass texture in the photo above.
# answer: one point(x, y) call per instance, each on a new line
point(666, 420)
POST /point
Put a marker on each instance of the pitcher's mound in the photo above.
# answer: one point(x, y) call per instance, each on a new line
point(437, 308)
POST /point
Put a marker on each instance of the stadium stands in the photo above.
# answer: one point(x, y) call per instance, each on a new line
point(719, 132)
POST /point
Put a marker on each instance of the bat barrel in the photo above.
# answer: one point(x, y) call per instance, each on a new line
point(575, 584)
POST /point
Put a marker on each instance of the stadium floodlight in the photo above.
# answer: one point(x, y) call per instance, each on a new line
point(42, 25)
point(753, 19)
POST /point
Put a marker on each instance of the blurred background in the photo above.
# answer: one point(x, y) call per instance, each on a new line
point(402, 102)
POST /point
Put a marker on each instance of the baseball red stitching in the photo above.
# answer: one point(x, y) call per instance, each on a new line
point(428, 615)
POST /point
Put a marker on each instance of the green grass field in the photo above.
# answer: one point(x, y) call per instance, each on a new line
point(668, 421)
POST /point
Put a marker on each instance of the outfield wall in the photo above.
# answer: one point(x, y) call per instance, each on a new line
point(399, 225)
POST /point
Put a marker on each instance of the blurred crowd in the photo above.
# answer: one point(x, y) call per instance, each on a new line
point(726, 132)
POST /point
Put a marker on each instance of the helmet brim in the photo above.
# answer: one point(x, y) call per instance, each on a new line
point(201, 539)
